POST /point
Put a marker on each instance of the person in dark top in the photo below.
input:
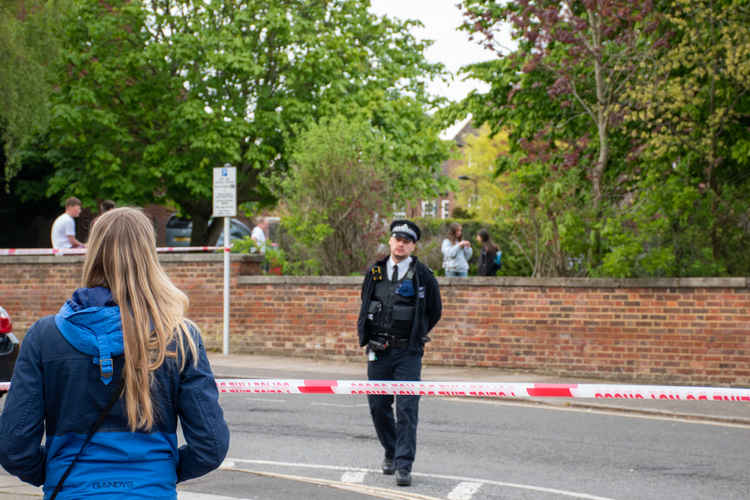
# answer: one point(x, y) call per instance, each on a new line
point(488, 256)
point(400, 305)
point(122, 337)
point(106, 206)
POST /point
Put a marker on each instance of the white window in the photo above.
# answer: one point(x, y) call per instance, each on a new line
point(445, 206)
point(429, 208)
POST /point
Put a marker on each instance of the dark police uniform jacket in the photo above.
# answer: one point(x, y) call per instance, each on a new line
point(428, 305)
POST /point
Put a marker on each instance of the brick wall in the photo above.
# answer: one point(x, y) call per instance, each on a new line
point(683, 331)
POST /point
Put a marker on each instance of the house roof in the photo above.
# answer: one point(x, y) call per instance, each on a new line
point(459, 130)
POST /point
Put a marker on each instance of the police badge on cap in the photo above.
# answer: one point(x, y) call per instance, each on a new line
point(405, 229)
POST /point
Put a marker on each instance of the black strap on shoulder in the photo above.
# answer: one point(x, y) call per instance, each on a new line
point(99, 421)
point(411, 273)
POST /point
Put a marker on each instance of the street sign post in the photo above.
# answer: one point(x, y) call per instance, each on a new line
point(225, 205)
point(225, 191)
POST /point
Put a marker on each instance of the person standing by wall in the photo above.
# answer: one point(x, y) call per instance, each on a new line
point(456, 252)
point(106, 206)
point(63, 234)
point(400, 305)
point(487, 258)
point(120, 353)
point(258, 234)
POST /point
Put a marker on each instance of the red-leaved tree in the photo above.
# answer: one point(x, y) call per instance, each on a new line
point(590, 51)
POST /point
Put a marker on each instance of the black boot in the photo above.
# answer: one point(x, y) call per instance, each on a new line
point(388, 466)
point(403, 477)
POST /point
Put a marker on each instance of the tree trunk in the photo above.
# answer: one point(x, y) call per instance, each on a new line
point(597, 173)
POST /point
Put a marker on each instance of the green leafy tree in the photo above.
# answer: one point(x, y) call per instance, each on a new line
point(339, 193)
point(29, 45)
point(670, 82)
point(156, 93)
point(691, 208)
point(547, 215)
point(562, 95)
point(665, 232)
point(483, 191)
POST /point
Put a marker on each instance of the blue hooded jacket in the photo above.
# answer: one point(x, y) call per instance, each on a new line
point(62, 380)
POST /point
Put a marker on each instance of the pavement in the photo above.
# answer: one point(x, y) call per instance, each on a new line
point(269, 367)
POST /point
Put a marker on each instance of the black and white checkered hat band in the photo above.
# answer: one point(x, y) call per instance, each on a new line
point(403, 228)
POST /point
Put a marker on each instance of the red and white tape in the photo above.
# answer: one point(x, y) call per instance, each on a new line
point(81, 251)
point(484, 389)
point(479, 389)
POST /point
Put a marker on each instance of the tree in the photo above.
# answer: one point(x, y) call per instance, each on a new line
point(484, 192)
point(574, 63)
point(29, 43)
point(157, 93)
point(338, 195)
point(690, 213)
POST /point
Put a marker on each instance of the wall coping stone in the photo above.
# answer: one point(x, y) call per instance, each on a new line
point(163, 257)
point(510, 281)
point(473, 281)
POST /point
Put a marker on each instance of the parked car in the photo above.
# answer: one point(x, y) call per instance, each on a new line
point(178, 231)
point(9, 347)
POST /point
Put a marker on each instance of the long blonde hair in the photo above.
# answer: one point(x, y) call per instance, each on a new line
point(121, 256)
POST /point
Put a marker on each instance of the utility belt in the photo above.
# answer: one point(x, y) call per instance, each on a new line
point(381, 341)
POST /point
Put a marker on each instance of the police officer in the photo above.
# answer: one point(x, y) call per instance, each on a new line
point(400, 305)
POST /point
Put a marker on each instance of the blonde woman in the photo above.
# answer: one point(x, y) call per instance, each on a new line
point(123, 333)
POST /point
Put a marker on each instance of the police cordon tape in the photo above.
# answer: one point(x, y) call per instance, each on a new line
point(81, 251)
point(478, 389)
point(484, 389)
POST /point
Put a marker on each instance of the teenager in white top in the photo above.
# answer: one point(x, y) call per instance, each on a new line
point(259, 235)
point(63, 232)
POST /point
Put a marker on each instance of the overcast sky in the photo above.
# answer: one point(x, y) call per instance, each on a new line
point(452, 47)
point(441, 19)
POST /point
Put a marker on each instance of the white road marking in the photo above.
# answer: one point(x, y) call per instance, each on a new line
point(301, 465)
point(273, 400)
point(464, 491)
point(353, 477)
point(189, 495)
point(370, 491)
point(528, 487)
point(339, 405)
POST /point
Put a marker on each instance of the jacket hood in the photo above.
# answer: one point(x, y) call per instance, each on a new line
point(90, 322)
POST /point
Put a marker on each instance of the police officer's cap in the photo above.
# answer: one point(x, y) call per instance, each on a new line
point(405, 229)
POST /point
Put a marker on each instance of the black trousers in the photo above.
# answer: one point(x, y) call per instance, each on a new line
point(397, 435)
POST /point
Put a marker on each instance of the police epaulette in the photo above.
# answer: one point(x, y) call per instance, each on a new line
point(377, 273)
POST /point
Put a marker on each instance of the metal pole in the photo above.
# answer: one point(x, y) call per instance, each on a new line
point(226, 286)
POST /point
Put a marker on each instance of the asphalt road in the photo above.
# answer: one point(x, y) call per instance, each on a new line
point(312, 446)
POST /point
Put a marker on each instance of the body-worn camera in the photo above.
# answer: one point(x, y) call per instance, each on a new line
point(373, 309)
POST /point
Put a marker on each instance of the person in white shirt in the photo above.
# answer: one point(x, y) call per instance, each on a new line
point(456, 252)
point(63, 232)
point(259, 235)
